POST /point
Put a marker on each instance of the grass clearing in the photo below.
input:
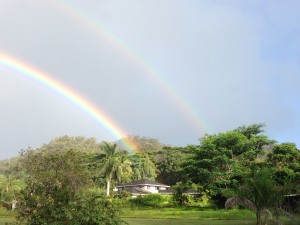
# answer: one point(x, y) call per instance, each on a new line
point(7, 219)
point(174, 216)
point(191, 216)
point(132, 221)
point(191, 213)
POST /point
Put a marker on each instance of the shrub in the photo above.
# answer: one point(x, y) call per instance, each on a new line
point(203, 201)
point(93, 208)
point(151, 200)
point(57, 192)
point(125, 194)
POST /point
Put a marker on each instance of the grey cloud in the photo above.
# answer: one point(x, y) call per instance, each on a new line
point(214, 55)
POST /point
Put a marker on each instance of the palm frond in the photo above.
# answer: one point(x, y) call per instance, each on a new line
point(236, 201)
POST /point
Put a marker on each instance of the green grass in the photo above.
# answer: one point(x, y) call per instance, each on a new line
point(173, 216)
point(187, 216)
point(187, 222)
point(7, 217)
point(191, 213)
point(191, 216)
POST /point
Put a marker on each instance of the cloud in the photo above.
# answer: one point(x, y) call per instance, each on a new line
point(232, 63)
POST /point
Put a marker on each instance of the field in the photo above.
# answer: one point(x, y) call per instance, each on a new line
point(190, 213)
point(5, 220)
point(188, 222)
point(188, 216)
point(6, 217)
point(175, 216)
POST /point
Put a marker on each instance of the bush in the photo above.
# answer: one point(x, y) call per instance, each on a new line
point(93, 208)
point(57, 192)
point(125, 194)
point(203, 201)
point(151, 200)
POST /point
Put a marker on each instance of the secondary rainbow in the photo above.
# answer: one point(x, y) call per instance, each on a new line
point(74, 97)
point(85, 21)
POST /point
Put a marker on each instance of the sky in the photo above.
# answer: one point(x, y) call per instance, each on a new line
point(171, 70)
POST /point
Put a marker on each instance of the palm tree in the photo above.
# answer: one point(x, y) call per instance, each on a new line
point(261, 194)
point(9, 187)
point(124, 170)
point(114, 164)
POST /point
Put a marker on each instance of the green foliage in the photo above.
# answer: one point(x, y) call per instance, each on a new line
point(169, 163)
point(151, 200)
point(262, 190)
point(260, 193)
point(53, 179)
point(141, 144)
point(93, 208)
point(56, 183)
point(11, 183)
point(204, 201)
point(285, 159)
point(57, 191)
point(220, 162)
point(125, 194)
point(143, 167)
point(179, 197)
point(113, 164)
point(76, 143)
point(10, 188)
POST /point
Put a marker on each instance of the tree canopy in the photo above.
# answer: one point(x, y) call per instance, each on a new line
point(71, 174)
point(220, 161)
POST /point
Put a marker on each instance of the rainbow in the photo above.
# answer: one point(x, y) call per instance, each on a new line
point(74, 97)
point(88, 23)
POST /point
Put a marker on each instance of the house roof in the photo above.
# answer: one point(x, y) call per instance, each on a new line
point(143, 182)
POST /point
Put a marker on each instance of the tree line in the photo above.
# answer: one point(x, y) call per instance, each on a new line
point(60, 180)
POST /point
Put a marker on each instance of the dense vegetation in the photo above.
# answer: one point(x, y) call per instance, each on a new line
point(70, 179)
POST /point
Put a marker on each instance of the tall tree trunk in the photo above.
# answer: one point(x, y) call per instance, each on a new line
point(14, 204)
point(258, 221)
point(107, 186)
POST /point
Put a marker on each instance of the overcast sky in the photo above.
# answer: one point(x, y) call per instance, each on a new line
point(171, 70)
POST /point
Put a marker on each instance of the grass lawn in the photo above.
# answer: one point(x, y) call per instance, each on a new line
point(187, 216)
point(190, 213)
point(175, 216)
point(191, 216)
point(6, 219)
point(187, 222)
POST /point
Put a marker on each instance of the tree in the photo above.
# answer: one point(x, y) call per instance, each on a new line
point(113, 163)
point(220, 161)
point(76, 143)
point(124, 172)
point(179, 197)
point(11, 183)
point(10, 188)
point(53, 179)
point(58, 191)
point(143, 167)
point(285, 159)
point(260, 193)
point(169, 162)
point(141, 144)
